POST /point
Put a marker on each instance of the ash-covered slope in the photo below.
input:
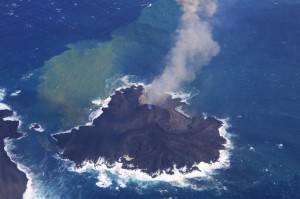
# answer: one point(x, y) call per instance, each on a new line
point(12, 181)
point(149, 137)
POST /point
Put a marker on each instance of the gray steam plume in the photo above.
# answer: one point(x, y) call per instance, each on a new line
point(193, 49)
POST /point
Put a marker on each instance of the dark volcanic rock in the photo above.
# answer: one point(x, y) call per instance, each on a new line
point(13, 182)
point(154, 137)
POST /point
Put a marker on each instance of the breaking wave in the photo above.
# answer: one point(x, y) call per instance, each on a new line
point(113, 175)
point(9, 146)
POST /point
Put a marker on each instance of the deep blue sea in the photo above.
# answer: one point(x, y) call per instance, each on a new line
point(63, 54)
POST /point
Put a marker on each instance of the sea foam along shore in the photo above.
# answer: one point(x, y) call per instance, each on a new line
point(107, 174)
point(8, 147)
point(126, 82)
point(123, 82)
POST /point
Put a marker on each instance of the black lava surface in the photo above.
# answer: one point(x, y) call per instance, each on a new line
point(12, 181)
point(154, 137)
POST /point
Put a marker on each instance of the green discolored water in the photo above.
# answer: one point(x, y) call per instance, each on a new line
point(74, 78)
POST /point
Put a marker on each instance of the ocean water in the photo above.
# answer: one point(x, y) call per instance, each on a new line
point(47, 47)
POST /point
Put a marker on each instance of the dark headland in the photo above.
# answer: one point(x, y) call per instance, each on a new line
point(148, 137)
point(12, 181)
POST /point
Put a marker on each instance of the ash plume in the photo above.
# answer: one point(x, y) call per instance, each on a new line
point(194, 48)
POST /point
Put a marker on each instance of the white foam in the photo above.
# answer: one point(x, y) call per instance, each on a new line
point(14, 117)
point(103, 180)
point(280, 146)
point(26, 77)
point(179, 178)
point(95, 114)
point(148, 5)
point(106, 172)
point(40, 129)
point(8, 147)
point(2, 94)
point(61, 132)
point(185, 97)
point(16, 93)
point(125, 82)
point(4, 106)
point(122, 83)
point(251, 148)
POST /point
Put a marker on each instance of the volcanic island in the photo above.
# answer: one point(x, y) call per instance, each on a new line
point(13, 181)
point(152, 138)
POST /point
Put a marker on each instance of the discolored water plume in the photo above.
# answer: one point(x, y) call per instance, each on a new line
point(71, 80)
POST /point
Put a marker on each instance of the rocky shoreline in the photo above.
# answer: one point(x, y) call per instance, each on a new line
point(13, 181)
point(152, 138)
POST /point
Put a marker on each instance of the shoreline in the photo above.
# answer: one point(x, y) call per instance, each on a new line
point(22, 181)
point(10, 119)
point(123, 175)
point(110, 176)
point(28, 194)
